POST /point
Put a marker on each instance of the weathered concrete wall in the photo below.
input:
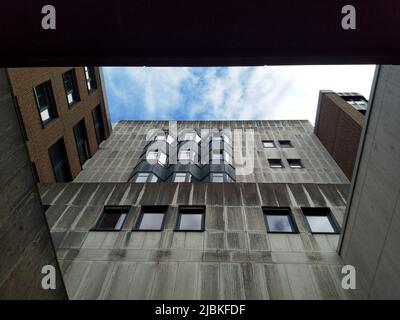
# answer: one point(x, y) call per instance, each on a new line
point(234, 258)
point(25, 242)
point(371, 237)
point(115, 160)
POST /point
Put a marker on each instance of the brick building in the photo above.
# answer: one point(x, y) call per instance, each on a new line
point(338, 125)
point(64, 117)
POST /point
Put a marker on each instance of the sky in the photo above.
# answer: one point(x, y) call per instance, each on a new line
point(227, 93)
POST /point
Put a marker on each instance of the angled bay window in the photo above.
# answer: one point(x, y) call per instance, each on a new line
point(182, 177)
point(142, 177)
point(112, 219)
point(90, 76)
point(71, 87)
point(151, 218)
point(45, 102)
point(217, 177)
point(186, 156)
point(154, 157)
point(190, 219)
point(279, 220)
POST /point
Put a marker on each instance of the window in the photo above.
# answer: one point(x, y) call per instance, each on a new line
point(285, 144)
point(59, 161)
point(82, 143)
point(112, 219)
point(45, 102)
point(152, 218)
point(145, 177)
point(98, 124)
point(191, 136)
point(217, 177)
point(190, 219)
point(155, 156)
point(279, 220)
point(90, 76)
point(217, 155)
point(268, 144)
point(295, 163)
point(160, 137)
point(320, 220)
point(188, 136)
point(275, 163)
point(186, 156)
point(71, 88)
point(181, 177)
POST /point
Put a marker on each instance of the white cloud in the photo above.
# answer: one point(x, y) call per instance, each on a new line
point(278, 92)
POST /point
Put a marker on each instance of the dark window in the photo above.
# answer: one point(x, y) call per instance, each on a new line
point(152, 218)
point(71, 88)
point(268, 144)
point(295, 163)
point(81, 140)
point(112, 219)
point(59, 161)
point(190, 219)
point(90, 76)
point(275, 163)
point(45, 102)
point(320, 220)
point(285, 144)
point(98, 124)
point(279, 220)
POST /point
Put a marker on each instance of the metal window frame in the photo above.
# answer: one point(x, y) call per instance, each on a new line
point(319, 211)
point(158, 210)
point(125, 210)
point(279, 211)
point(190, 209)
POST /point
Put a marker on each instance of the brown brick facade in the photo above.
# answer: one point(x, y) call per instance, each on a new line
point(40, 138)
point(338, 126)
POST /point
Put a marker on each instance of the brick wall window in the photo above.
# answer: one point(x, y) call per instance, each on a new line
point(90, 75)
point(45, 102)
point(71, 87)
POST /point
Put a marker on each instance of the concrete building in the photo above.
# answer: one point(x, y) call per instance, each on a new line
point(25, 241)
point(370, 238)
point(128, 230)
point(64, 117)
point(338, 125)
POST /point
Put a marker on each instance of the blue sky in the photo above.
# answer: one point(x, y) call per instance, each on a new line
point(227, 93)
